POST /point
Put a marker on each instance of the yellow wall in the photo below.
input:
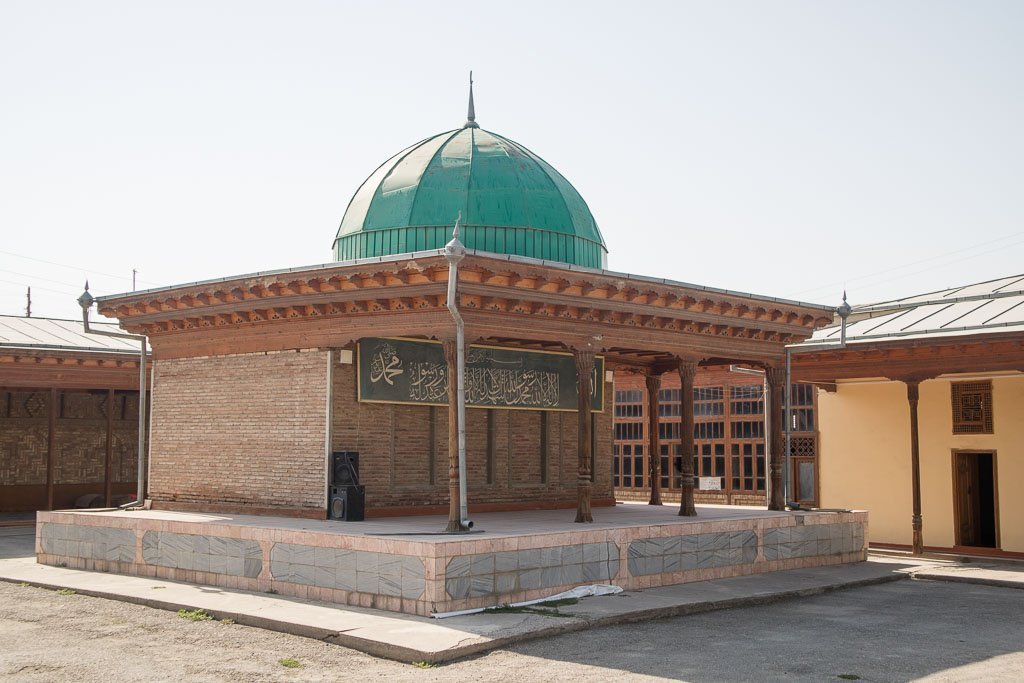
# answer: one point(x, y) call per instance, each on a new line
point(865, 457)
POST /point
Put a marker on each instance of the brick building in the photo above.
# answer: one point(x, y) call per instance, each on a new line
point(259, 378)
point(68, 415)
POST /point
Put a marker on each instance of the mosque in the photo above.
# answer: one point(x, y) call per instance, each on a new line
point(273, 393)
point(298, 347)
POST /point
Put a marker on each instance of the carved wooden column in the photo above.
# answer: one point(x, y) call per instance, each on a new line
point(653, 444)
point(108, 481)
point(584, 370)
point(776, 377)
point(451, 359)
point(915, 466)
point(687, 371)
point(51, 448)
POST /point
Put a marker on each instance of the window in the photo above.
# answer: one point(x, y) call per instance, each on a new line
point(972, 407)
point(629, 403)
point(747, 399)
point(668, 403)
point(629, 435)
point(801, 397)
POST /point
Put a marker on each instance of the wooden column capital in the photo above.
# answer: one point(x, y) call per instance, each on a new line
point(913, 389)
point(775, 374)
point(584, 360)
point(687, 368)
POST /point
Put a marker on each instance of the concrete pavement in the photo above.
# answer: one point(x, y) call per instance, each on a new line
point(409, 638)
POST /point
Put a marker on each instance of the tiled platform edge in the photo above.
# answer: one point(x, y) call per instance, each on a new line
point(424, 576)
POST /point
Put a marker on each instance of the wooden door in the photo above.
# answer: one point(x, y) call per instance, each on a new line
point(965, 498)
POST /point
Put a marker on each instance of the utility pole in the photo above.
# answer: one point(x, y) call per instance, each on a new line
point(133, 278)
point(28, 306)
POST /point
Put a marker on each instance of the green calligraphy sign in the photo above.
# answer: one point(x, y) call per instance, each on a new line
point(395, 370)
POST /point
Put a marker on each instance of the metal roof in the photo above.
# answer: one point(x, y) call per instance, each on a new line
point(511, 201)
point(51, 333)
point(983, 308)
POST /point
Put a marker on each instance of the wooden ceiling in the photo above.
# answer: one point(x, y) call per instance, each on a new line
point(636, 322)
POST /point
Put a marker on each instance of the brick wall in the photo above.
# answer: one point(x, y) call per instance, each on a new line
point(245, 430)
point(400, 446)
point(80, 441)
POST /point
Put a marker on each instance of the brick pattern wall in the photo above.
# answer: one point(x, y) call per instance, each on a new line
point(245, 429)
point(81, 437)
point(400, 445)
point(80, 441)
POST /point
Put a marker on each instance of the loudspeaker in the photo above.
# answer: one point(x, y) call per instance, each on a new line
point(344, 468)
point(347, 503)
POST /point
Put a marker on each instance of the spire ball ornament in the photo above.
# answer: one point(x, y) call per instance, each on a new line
point(86, 300)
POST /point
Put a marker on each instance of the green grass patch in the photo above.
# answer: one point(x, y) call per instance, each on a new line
point(848, 677)
point(424, 665)
point(24, 584)
point(65, 591)
point(227, 621)
point(195, 614)
point(289, 663)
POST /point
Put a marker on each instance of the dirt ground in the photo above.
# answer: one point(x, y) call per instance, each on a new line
point(907, 630)
point(45, 636)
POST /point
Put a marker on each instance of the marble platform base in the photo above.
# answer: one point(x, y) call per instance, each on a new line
point(396, 565)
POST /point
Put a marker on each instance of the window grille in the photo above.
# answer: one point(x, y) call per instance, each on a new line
point(972, 407)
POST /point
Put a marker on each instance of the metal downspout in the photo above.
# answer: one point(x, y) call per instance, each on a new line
point(843, 310)
point(454, 251)
point(86, 301)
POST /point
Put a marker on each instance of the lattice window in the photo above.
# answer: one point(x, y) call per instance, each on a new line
point(801, 446)
point(972, 407)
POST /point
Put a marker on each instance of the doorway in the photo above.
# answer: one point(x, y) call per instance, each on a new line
point(975, 500)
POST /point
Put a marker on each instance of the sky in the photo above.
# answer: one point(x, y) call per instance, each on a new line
point(785, 148)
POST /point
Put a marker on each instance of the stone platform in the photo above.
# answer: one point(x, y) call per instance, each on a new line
point(402, 564)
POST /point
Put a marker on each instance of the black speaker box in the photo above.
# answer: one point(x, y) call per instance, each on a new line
point(347, 503)
point(344, 468)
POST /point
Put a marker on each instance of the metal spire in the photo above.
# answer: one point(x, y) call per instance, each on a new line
point(471, 116)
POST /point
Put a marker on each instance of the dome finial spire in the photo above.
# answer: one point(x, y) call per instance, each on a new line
point(471, 115)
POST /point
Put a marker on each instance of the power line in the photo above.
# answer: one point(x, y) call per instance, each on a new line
point(78, 268)
point(865, 276)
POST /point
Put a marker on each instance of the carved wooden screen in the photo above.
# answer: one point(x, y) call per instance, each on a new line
point(972, 407)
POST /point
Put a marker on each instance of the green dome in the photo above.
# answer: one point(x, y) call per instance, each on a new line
point(512, 202)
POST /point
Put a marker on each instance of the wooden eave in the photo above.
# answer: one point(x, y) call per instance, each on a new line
point(333, 305)
point(66, 369)
point(910, 359)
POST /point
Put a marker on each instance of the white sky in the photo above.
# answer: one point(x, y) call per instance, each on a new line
point(784, 148)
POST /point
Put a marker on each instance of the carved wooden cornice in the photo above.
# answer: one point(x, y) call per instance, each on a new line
point(495, 295)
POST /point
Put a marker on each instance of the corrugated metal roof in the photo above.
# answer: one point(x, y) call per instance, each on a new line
point(51, 333)
point(982, 308)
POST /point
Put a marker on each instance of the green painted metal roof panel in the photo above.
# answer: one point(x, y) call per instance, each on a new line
point(444, 186)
